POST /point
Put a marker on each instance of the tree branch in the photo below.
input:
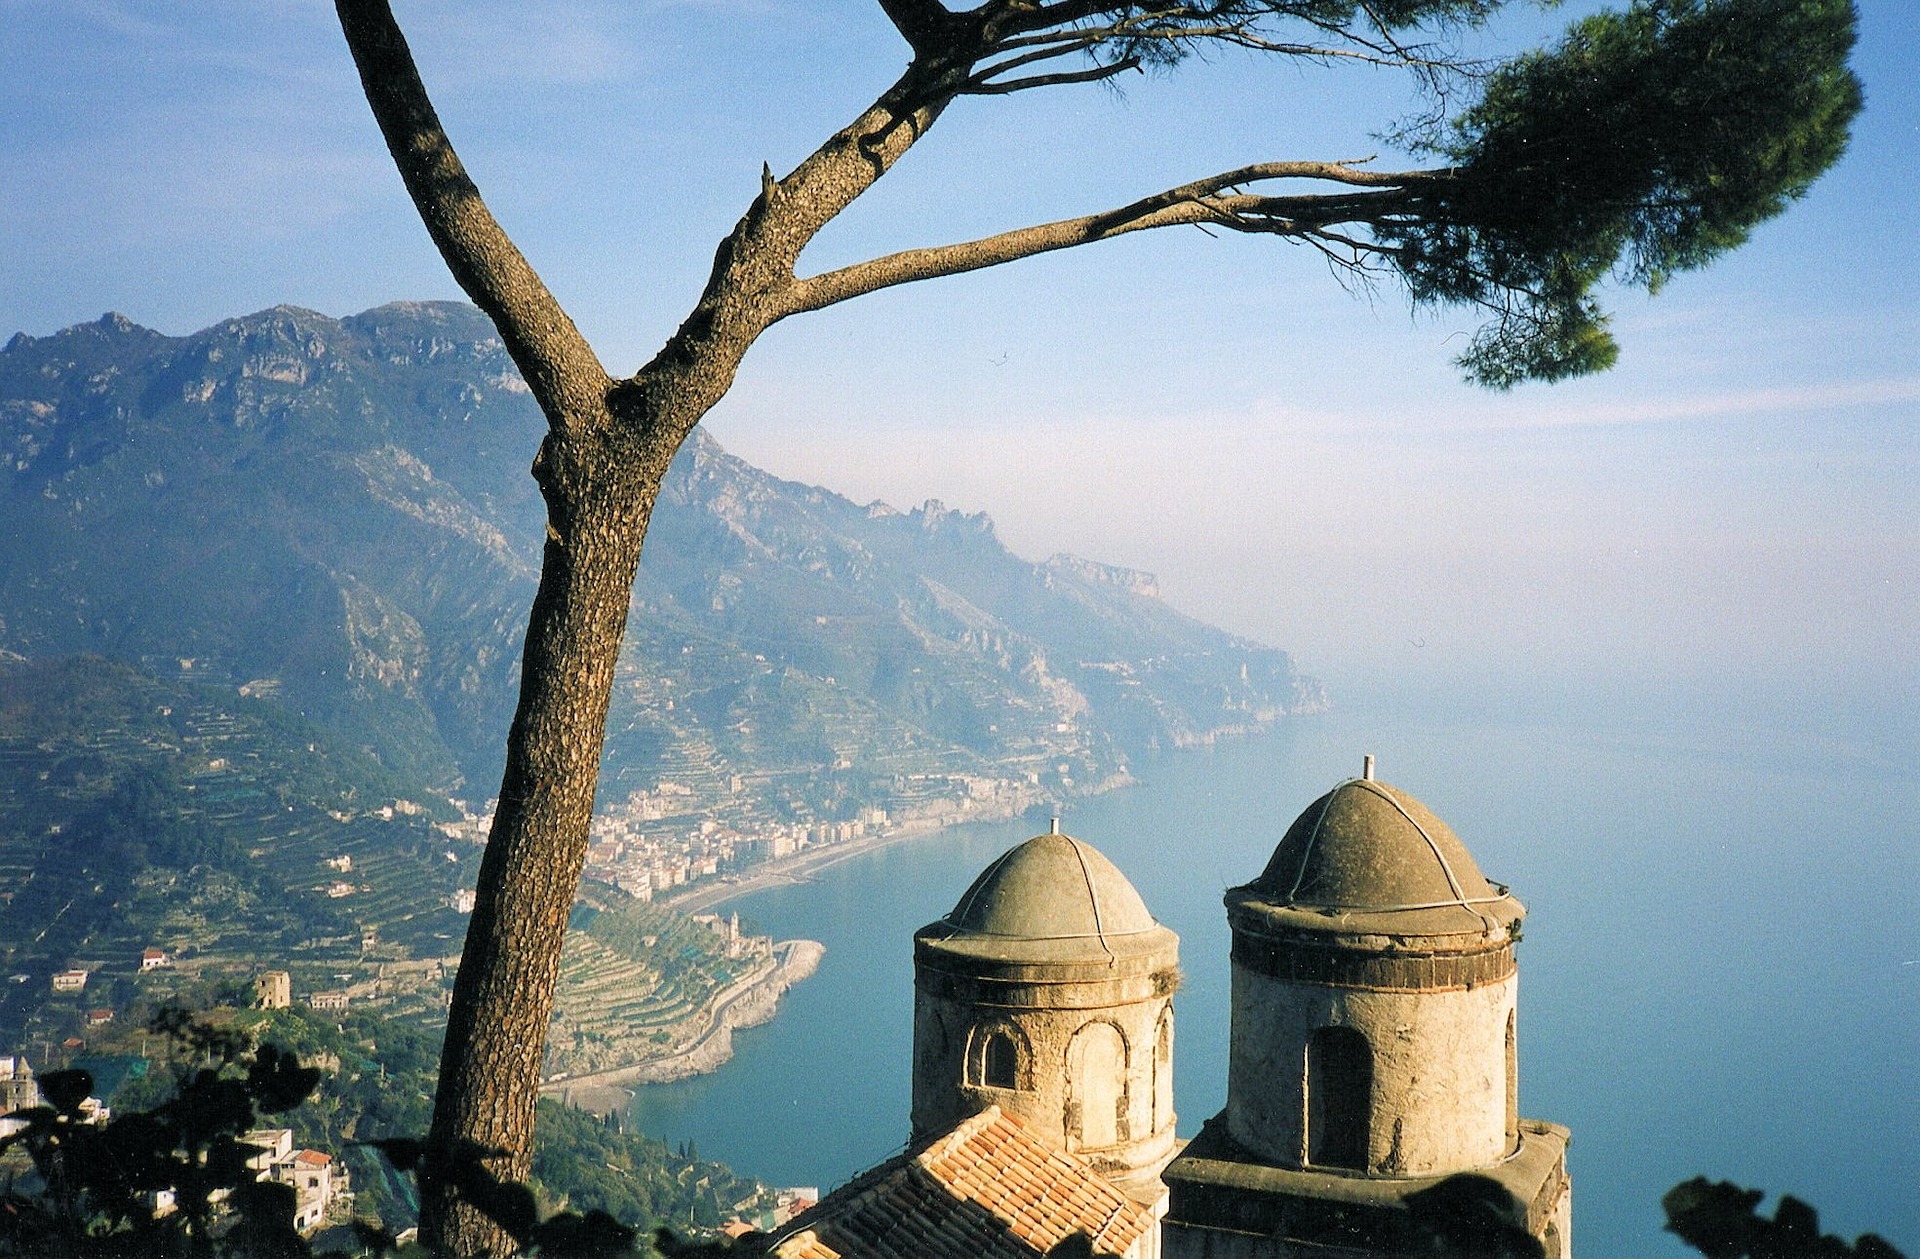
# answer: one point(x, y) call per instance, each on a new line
point(752, 278)
point(1088, 25)
point(979, 86)
point(1042, 50)
point(922, 23)
point(559, 366)
point(1022, 16)
point(1199, 203)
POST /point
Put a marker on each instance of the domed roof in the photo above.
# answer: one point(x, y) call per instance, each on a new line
point(1055, 911)
point(1369, 857)
point(1053, 887)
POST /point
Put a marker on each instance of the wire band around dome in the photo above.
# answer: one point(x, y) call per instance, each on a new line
point(1460, 898)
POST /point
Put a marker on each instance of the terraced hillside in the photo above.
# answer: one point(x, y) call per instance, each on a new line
point(637, 981)
point(138, 813)
point(143, 814)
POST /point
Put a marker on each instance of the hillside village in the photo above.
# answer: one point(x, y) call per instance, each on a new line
point(354, 906)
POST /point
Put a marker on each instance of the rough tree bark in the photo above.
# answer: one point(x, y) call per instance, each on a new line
point(600, 468)
point(610, 440)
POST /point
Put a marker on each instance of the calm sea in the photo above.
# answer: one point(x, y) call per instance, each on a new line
point(1721, 971)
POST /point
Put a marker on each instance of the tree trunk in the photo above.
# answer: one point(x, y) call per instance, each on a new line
point(600, 490)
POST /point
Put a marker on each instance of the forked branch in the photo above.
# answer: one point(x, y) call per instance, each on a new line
point(922, 23)
point(981, 85)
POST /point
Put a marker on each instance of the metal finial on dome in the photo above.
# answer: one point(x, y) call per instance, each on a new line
point(1366, 767)
point(1054, 828)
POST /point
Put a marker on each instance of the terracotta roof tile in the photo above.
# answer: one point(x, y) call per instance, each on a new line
point(989, 1188)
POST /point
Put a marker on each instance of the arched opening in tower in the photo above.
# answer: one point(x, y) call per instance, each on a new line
point(1339, 1098)
point(1000, 1065)
point(1097, 1086)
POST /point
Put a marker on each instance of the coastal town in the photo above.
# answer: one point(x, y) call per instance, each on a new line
point(652, 992)
point(660, 841)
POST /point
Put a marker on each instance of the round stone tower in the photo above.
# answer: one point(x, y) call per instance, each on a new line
point(1371, 1091)
point(1048, 991)
point(1373, 995)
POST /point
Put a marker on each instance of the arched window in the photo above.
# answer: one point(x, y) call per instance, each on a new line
point(998, 1058)
point(1339, 1098)
point(1000, 1062)
point(1097, 1100)
point(1513, 1087)
point(1163, 1070)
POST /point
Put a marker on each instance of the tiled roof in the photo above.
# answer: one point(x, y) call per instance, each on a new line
point(987, 1189)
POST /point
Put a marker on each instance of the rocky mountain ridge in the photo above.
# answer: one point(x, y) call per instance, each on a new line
point(335, 516)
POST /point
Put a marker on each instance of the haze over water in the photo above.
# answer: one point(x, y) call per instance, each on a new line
point(1720, 976)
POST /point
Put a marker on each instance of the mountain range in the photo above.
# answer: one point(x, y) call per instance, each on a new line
point(334, 516)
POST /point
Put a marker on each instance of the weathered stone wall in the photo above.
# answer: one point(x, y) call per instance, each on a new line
point(1439, 1096)
point(1062, 1079)
point(1095, 1071)
point(1226, 1204)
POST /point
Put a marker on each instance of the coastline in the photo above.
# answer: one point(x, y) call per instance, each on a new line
point(753, 1001)
point(748, 1003)
point(709, 894)
point(799, 867)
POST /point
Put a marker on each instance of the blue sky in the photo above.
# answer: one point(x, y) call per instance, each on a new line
point(1296, 462)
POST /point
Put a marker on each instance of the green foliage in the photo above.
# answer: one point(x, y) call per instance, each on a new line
point(1646, 143)
point(99, 1183)
point(1719, 1221)
point(148, 811)
point(514, 1207)
point(1164, 35)
point(596, 1187)
point(76, 701)
point(590, 1163)
point(149, 819)
point(378, 1105)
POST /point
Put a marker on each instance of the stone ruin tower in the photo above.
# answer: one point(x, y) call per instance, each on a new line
point(1372, 1091)
point(1048, 991)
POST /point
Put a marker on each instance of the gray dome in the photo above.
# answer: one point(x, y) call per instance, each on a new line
point(1369, 856)
point(1053, 887)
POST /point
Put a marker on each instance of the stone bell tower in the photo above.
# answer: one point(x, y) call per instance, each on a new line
point(1372, 1091)
point(1048, 991)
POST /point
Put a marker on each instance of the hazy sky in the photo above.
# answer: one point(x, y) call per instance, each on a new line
point(1296, 462)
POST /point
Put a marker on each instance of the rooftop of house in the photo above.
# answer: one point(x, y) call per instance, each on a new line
point(988, 1188)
